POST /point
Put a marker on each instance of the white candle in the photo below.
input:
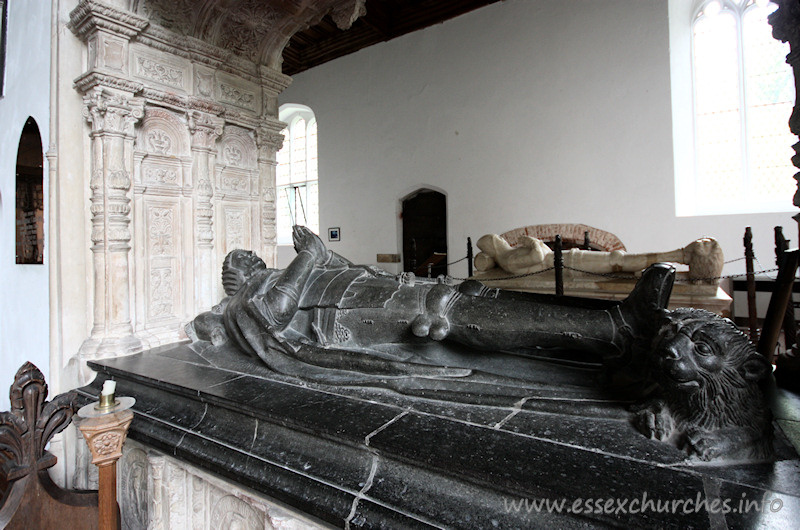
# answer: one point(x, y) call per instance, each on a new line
point(109, 387)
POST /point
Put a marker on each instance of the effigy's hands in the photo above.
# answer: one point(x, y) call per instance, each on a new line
point(305, 239)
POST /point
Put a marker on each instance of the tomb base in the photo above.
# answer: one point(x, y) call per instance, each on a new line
point(222, 437)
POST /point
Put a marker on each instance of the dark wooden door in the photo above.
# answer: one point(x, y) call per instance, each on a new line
point(425, 233)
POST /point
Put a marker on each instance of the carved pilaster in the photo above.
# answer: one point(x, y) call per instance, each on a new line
point(785, 23)
point(107, 32)
point(205, 129)
point(112, 116)
point(269, 140)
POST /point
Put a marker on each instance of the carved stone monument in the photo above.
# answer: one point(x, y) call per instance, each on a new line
point(304, 320)
point(521, 261)
point(364, 399)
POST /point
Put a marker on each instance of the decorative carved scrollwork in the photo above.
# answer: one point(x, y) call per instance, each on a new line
point(26, 430)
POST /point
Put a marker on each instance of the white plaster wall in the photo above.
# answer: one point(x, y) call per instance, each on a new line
point(24, 290)
point(524, 112)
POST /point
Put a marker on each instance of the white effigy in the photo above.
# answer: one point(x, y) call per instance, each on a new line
point(526, 263)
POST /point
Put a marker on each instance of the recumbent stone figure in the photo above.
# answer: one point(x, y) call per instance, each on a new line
point(321, 300)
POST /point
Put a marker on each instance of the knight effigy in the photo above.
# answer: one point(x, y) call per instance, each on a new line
point(697, 379)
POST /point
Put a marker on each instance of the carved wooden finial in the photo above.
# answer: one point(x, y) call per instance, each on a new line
point(26, 430)
point(32, 500)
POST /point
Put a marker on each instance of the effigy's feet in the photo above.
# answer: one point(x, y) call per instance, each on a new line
point(642, 310)
point(638, 318)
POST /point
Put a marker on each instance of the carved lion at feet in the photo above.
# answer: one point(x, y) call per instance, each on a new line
point(711, 403)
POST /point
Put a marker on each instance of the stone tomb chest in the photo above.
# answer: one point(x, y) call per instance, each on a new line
point(418, 455)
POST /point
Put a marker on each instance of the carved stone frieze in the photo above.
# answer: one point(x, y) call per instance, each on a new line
point(159, 492)
point(232, 512)
point(134, 500)
point(236, 96)
point(160, 175)
point(161, 292)
point(235, 228)
point(161, 224)
point(159, 72)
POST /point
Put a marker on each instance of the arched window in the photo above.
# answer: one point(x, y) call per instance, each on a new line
point(743, 95)
point(30, 197)
point(296, 180)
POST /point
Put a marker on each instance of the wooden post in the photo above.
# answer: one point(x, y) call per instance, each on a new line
point(105, 435)
point(781, 295)
point(469, 257)
point(558, 263)
point(752, 314)
point(789, 324)
point(587, 244)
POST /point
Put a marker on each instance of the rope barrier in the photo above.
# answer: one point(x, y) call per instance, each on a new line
point(615, 276)
point(457, 261)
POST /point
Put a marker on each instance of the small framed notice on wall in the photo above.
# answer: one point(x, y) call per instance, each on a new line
point(333, 234)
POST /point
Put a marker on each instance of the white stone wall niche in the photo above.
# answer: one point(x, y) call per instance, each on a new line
point(237, 193)
point(157, 492)
point(237, 167)
point(163, 251)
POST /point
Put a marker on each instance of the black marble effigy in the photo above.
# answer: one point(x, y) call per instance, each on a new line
point(556, 452)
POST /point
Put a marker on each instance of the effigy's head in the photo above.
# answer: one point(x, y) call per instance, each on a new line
point(238, 267)
point(699, 351)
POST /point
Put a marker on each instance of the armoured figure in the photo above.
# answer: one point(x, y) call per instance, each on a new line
point(324, 300)
point(328, 321)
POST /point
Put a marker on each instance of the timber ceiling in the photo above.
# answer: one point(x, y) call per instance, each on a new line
point(384, 21)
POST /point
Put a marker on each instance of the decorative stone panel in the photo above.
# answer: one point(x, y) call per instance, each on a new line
point(156, 492)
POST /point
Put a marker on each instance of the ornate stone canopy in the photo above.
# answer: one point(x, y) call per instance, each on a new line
point(255, 29)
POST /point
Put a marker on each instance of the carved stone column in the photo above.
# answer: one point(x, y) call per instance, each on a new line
point(785, 23)
point(205, 129)
point(112, 115)
point(269, 140)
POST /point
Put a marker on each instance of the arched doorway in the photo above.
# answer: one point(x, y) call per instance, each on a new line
point(30, 196)
point(424, 215)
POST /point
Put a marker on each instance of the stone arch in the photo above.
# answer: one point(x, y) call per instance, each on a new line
point(237, 149)
point(163, 133)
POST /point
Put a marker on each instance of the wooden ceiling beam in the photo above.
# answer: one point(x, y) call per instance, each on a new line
point(384, 21)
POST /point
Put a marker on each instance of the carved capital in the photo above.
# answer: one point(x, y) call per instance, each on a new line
point(113, 113)
point(105, 435)
point(92, 16)
point(345, 14)
point(205, 129)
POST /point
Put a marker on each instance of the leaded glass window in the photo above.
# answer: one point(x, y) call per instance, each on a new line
point(297, 200)
point(743, 93)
